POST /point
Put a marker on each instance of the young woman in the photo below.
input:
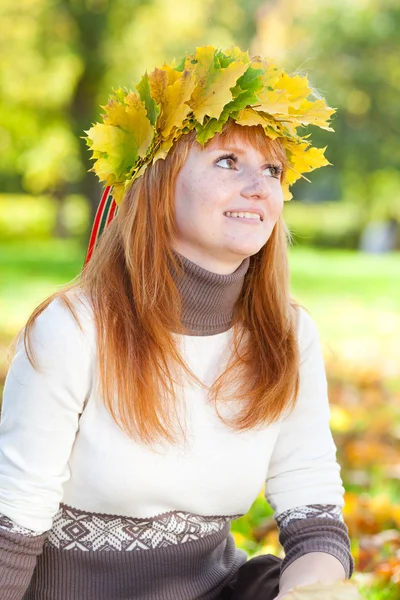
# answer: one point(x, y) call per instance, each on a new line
point(150, 400)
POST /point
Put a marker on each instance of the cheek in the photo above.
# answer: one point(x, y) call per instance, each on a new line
point(277, 206)
point(196, 196)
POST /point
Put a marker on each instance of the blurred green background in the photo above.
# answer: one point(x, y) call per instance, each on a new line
point(59, 61)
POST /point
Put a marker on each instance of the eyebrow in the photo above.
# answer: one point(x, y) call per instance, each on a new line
point(230, 148)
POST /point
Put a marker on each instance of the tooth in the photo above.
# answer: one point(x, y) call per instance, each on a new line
point(228, 214)
point(248, 215)
point(241, 215)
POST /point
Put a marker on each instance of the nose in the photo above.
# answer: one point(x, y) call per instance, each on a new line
point(256, 186)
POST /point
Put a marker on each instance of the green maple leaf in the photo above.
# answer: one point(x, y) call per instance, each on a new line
point(144, 92)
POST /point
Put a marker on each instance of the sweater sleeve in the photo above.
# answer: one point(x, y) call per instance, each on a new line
point(19, 548)
point(303, 471)
point(315, 528)
point(39, 422)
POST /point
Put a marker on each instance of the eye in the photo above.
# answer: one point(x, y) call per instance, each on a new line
point(273, 171)
point(228, 161)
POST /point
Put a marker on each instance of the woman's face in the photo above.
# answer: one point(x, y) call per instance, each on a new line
point(214, 185)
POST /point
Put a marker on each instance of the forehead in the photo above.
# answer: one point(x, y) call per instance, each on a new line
point(240, 137)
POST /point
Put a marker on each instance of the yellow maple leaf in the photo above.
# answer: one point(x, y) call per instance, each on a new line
point(295, 86)
point(140, 128)
point(174, 103)
point(131, 117)
point(213, 89)
point(287, 92)
point(105, 138)
point(292, 176)
point(125, 135)
point(238, 54)
point(158, 81)
point(271, 73)
point(313, 113)
point(163, 149)
point(304, 160)
point(118, 192)
point(287, 194)
point(102, 169)
point(249, 117)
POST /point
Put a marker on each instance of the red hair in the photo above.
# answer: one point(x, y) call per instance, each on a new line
point(137, 308)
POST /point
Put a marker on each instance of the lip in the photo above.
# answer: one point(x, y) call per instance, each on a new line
point(257, 211)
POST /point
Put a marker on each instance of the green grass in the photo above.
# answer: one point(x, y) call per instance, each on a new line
point(325, 274)
point(30, 271)
point(353, 297)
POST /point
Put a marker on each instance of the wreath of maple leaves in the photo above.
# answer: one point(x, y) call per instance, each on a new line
point(202, 92)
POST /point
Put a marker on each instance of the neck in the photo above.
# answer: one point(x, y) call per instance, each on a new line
point(208, 299)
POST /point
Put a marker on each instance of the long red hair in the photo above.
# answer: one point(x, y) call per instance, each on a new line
point(137, 307)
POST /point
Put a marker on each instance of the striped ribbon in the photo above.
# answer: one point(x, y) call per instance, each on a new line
point(106, 211)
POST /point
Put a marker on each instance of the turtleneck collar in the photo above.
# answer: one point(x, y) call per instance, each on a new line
point(208, 299)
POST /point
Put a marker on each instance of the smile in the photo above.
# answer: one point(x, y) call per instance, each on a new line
point(244, 215)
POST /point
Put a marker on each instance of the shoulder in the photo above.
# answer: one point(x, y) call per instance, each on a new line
point(307, 331)
point(67, 323)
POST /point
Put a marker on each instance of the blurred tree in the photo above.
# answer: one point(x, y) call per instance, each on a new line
point(351, 51)
point(52, 77)
point(62, 57)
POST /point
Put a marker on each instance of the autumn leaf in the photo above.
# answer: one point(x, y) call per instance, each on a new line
point(244, 94)
point(341, 590)
point(313, 113)
point(118, 192)
point(212, 91)
point(307, 161)
point(237, 54)
point(287, 194)
point(222, 60)
point(160, 79)
point(125, 135)
point(250, 118)
point(250, 81)
point(303, 159)
point(174, 107)
point(104, 170)
point(114, 149)
point(145, 95)
point(271, 73)
point(137, 124)
point(163, 149)
point(284, 94)
point(296, 87)
point(207, 131)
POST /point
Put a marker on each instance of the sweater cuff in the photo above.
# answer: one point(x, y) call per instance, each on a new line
point(18, 555)
point(318, 534)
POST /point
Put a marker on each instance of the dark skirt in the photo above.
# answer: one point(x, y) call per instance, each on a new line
point(257, 579)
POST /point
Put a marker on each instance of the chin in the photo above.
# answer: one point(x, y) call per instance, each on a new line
point(246, 251)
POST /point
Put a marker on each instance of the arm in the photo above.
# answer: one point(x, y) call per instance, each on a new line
point(19, 549)
point(303, 484)
point(40, 417)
